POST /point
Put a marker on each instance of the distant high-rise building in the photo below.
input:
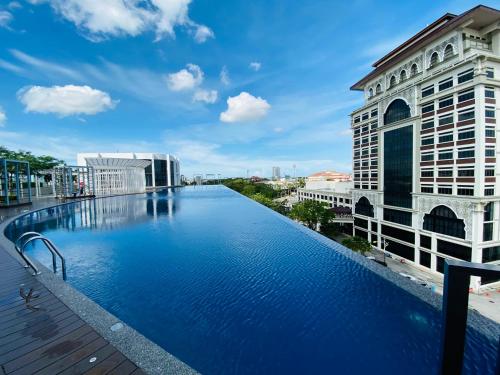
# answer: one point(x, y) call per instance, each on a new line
point(426, 145)
point(276, 173)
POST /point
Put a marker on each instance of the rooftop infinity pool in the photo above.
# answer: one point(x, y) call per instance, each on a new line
point(230, 287)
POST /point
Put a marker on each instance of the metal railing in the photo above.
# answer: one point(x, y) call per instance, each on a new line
point(455, 307)
point(28, 237)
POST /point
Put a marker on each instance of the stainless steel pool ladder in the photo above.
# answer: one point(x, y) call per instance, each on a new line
point(28, 237)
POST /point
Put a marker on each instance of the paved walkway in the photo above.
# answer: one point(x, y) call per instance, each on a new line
point(40, 334)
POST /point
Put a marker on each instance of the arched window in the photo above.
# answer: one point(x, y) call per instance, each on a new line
point(398, 110)
point(448, 51)
point(402, 76)
point(363, 207)
point(370, 92)
point(443, 220)
point(378, 89)
point(434, 60)
point(392, 82)
point(414, 70)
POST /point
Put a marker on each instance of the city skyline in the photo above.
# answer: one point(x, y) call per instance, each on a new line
point(204, 83)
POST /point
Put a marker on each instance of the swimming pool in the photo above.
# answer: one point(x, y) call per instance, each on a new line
point(228, 286)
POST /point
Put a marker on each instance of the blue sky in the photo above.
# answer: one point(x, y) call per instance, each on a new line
point(224, 85)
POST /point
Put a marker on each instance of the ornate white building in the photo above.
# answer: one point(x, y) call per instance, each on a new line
point(426, 145)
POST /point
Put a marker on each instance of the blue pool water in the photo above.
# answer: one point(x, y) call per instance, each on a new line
point(228, 286)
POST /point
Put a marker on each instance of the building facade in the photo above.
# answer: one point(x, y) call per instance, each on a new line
point(332, 188)
point(276, 173)
point(426, 145)
point(163, 170)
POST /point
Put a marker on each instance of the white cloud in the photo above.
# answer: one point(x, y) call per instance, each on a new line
point(14, 5)
point(255, 66)
point(5, 18)
point(99, 20)
point(245, 107)
point(3, 117)
point(65, 100)
point(185, 79)
point(50, 68)
point(278, 130)
point(207, 96)
point(11, 67)
point(224, 76)
point(203, 33)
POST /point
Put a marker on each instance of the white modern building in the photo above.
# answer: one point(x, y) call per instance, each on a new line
point(426, 145)
point(332, 188)
point(132, 172)
point(276, 173)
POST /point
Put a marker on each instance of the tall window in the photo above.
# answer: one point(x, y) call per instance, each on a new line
point(443, 220)
point(370, 92)
point(392, 82)
point(378, 89)
point(448, 51)
point(414, 70)
point(397, 110)
point(363, 207)
point(402, 76)
point(398, 167)
point(434, 60)
point(488, 222)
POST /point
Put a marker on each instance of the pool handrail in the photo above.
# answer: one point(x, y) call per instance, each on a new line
point(33, 236)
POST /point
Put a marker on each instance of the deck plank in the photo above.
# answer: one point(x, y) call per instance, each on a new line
point(51, 339)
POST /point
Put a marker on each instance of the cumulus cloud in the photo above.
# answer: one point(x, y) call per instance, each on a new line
point(3, 117)
point(202, 33)
point(255, 66)
point(65, 100)
point(185, 79)
point(245, 107)
point(5, 18)
point(207, 96)
point(99, 20)
point(14, 5)
point(224, 76)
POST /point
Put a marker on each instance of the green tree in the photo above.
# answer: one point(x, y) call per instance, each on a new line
point(248, 190)
point(312, 213)
point(357, 244)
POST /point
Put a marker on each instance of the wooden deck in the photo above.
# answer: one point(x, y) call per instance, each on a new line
point(43, 336)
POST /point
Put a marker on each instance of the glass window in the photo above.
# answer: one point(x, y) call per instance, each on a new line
point(489, 112)
point(443, 220)
point(414, 70)
point(445, 120)
point(434, 60)
point(465, 95)
point(465, 190)
point(425, 259)
point(466, 76)
point(160, 167)
point(489, 172)
point(427, 141)
point(445, 84)
point(489, 191)
point(445, 155)
point(445, 137)
point(462, 172)
point(427, 189)
point(398, 217)
point(392, 82)
point(489, 92)
point(427, 107)
point(446, 102)
point(466, 115)
point(370, 92)
point(467, 134)
point(445, 173)
point(404, 251)
point(398, 110)
point(448, 52)
point(490, 152)
point(402, 76)
point(427, 173)
point(398, 166)
point(364, 116)
point(445, 190)
point(491, 254)
point(465, 153)
point(490, 72)
point(378, 89)
point(427, 91)
point(429, 124)
point(398, 234)
point(427, 157)
point(454, 250)
point(363, 207)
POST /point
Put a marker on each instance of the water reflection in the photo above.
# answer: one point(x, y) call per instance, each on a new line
point(98, 214)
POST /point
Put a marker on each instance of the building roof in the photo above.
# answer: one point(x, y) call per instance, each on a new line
point(477, 17)
point(330, 176)
point(116, 163)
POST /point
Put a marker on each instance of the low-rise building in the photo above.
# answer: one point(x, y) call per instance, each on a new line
point(333, 188)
